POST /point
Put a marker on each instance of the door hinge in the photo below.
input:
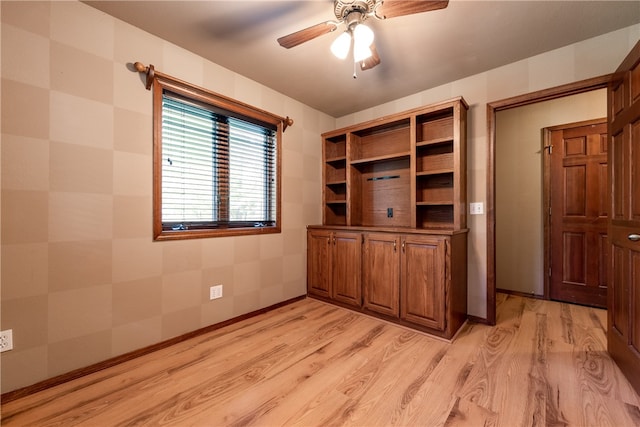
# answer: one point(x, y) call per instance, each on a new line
point(549, 271)
point(549, 148)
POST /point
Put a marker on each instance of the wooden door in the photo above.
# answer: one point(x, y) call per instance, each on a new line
point(423, 281)
point(623, 334)
point(577, 156)
point(346, 267)
point(319, 263)
point(381, 273)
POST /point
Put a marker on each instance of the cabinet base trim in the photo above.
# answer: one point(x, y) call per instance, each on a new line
point(433, 333)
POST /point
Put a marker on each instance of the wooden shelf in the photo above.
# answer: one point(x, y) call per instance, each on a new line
point(436, 203)
point(336, 159)
point(434, 172)
point(377, 159)
point(435, 141)
point(336, 202)
point(337, 182)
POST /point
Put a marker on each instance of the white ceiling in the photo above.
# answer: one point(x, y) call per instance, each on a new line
point(418, 52)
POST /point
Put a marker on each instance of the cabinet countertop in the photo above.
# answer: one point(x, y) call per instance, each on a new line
point(408, 230)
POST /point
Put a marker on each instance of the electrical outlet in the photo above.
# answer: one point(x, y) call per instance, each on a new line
point(6, 340)
point(215, 292)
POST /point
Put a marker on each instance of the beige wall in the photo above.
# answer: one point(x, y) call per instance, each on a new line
point(82, 280)
point(519, 185)
point(579, 61)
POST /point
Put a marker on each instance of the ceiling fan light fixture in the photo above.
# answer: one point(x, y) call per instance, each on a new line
point(352, 13)
point(362, 40)
point(341, 45)
point(363, 35)
point(360, 53)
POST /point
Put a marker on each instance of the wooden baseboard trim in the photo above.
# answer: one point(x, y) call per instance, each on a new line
point(397, 321)
point(69, 376)
point(519, 294)
point(485, 321)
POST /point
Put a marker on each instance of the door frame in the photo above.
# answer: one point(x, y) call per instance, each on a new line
point(505, 104)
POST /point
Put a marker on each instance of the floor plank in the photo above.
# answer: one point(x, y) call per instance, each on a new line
point(314, 364)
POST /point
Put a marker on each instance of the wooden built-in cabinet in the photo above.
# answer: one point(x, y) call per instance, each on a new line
point(417, 279)
point(398, 183)
point(333, 265)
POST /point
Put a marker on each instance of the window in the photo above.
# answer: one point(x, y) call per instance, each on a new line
point(216, 165)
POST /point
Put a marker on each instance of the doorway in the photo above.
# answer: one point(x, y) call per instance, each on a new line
point(492, 109)
point(520, 213)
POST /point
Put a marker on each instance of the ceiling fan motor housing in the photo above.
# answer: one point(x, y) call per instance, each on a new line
point(342, 8)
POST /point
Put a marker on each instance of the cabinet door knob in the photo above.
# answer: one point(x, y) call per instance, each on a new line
point(634, 237)
point(394, 245)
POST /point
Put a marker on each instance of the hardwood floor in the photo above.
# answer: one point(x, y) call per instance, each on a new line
point(309, 363)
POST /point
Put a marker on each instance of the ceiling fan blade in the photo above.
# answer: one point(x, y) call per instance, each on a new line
point(371, 61)
point(299, 37)
point(393, 8)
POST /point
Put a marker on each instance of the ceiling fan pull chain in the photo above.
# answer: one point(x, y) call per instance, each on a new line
point(355, 75)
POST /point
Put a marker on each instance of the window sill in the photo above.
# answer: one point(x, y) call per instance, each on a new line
point(211, 233)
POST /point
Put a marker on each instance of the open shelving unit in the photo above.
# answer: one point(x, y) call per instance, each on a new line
point(404, 170)
point(335, 180)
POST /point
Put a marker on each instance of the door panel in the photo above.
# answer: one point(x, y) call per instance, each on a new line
point(635, 305)
point(319, 263)
point(623, 336)
point(635, 171)
point(617, 173)
point(618, 310)
point(603, 207)
point(381, 265)
point(578, 221)
point(346, 271)
point(603, 249)
point(574, 268)
point(575, 201)
point(423, 281)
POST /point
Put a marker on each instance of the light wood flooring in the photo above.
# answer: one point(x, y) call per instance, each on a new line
point(313, 364)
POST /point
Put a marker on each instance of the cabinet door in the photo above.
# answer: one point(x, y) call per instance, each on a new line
point(346, 267)
point(319, 263)
point(381, 265)
point(423, 281)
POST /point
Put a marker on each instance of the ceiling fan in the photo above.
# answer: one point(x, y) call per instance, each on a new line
point(353, 13)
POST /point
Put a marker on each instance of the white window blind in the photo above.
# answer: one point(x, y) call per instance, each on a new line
point(217, 170)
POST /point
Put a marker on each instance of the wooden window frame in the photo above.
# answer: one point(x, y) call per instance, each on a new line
point(162, 83)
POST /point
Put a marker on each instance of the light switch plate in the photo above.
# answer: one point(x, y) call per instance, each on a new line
point(215, 292)
point(476, 208)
